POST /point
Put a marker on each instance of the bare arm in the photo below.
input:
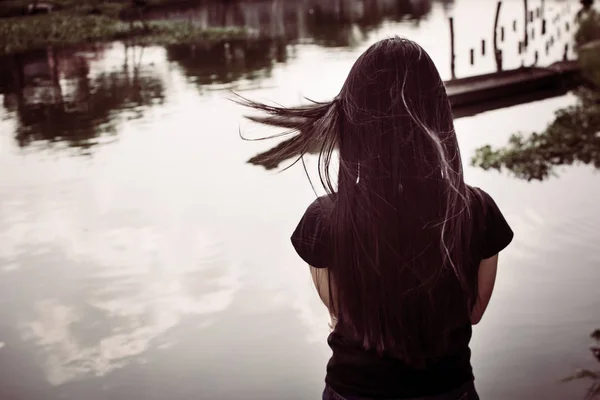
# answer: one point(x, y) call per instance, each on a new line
point(486, 277)
point(320, 278)
point(485, 280)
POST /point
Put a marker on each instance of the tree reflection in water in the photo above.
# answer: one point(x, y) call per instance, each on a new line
point(57, 101)
point(275, 28)
point(333, 23)
point(226, 62)
point(338, 24)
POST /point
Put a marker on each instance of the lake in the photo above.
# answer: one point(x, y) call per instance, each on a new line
point(141, 257)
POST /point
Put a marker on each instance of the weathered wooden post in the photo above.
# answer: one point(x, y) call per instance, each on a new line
point(526, 39)
point(543, 9)
point(498, 53)
point(500, 58)
point(452, 53)
point(543, 27)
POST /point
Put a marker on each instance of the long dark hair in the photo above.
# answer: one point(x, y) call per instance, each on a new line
point(400, 224)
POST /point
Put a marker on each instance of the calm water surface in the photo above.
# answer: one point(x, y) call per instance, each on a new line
point(142, 258)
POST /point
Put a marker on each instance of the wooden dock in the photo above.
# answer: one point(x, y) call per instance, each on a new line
point(474, 95)
point(480, 93)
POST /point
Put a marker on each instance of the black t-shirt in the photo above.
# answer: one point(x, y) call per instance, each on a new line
point(355, 371)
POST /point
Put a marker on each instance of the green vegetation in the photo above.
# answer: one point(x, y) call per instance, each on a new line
point(110, 8)
point(19, 34)
point(594, 389)
point(170, 32)
point(574, 135)
point(589, 28)
point(587, 39)
point(76, 24)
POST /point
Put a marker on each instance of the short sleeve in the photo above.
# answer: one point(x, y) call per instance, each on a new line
point(497, 234)
point(310, 236)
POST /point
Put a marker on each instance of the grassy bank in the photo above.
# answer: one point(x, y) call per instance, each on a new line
point(66, 28)
point(110, 8)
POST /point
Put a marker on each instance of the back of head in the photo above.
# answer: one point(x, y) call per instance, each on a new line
point(400, 226)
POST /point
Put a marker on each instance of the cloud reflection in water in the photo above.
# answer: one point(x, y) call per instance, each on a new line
point(126, 287)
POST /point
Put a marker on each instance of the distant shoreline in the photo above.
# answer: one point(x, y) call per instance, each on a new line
point(74, 23)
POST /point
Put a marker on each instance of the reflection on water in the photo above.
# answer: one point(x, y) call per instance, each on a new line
point(226, 62)
point(56, 99)
point(332, 23)
point(137, 281)
point(58, 102)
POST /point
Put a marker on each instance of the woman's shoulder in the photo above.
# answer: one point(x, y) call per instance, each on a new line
point(491, 225)
point(314, 219)
point(320, 206)
point(310, 237)
point(478, 194)
point(481, 201)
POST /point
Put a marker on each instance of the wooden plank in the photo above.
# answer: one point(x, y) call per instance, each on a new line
point(489, 87)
